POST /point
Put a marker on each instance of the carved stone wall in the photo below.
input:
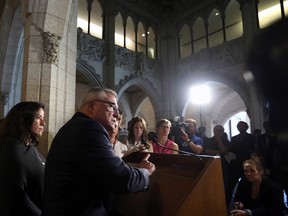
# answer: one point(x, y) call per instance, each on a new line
point(3, 97)
point(51, 44)
point(91, 49)
point(135, 62)
point(216, 58)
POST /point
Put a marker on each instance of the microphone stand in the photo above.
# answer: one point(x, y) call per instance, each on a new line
point(147, 146)
point(179, 151)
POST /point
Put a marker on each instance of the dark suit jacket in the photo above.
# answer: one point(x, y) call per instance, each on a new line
point(21, 179)
point(82, 172)
point(265, 148)
point(242, 145)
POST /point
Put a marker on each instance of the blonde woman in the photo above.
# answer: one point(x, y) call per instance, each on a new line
point(163, 144)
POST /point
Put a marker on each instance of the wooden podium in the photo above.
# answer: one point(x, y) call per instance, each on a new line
point(181, 185)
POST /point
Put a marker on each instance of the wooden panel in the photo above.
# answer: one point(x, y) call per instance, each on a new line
point(208, 196)
point(181, 185)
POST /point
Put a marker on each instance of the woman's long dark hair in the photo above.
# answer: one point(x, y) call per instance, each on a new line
point(17, 124)
point(133, 121)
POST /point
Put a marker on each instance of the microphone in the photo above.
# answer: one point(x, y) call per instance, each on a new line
point(152, 136)
point(147, 146)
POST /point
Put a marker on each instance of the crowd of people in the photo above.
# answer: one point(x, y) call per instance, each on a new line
point(81, 173)
point(74, 158)
point(84, 167)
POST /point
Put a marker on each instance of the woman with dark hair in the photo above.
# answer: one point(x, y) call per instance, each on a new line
point(137, 134)
point(21, 165)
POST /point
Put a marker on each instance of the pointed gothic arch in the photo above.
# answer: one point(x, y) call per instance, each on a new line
point(88, 72)
point(150, 91)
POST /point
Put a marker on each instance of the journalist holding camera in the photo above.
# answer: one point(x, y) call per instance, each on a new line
point(184, 136)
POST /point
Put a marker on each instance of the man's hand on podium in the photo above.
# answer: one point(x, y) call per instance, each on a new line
point(144, 163)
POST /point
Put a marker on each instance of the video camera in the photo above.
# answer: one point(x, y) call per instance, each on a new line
point(177, 123)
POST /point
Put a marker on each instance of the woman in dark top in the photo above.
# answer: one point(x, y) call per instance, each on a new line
point(256, 195)
point(21, 165)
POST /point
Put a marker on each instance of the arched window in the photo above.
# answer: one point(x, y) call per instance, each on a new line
point(285, 5)
point(215, 28)
point(96, 22)
point(199, 35)
point(269, 11)
point(233, 21)
point(141, 38)
point(82, 16)
point(130, 35)
point(151, 43)
point(185, 41)
point(119, 30)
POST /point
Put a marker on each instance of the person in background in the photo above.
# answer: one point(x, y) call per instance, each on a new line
point(242, 145)
point(187, 139)
point(21, 165)
point(122, 132)
point(266, 144)
point(164, 145)
point(256, 133)
point(82, 172)
point(256, 194)
point(137, 135)
point(119, 147)
point(201, 132)
point(219, 145)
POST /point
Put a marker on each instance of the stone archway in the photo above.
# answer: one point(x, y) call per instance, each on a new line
point(227, 99)
point(11, 73)
point(142, 89)
point(86, 77)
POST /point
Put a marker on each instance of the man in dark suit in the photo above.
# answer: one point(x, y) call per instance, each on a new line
point(82, 172)
point(242, 145)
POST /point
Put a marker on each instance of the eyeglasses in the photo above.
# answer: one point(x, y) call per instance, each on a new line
point(111, 106)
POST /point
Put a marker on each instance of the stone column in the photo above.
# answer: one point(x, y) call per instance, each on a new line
point(250, 27)
point(168, 54)
point(49, 67)
point(109, 37)
point(256, 108)
point(7, 12)
point(250, 18)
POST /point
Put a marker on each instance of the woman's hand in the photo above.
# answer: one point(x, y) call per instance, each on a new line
point(238, 205)
point(238, 212)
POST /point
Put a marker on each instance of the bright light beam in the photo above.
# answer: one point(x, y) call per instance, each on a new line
point(200, 94)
